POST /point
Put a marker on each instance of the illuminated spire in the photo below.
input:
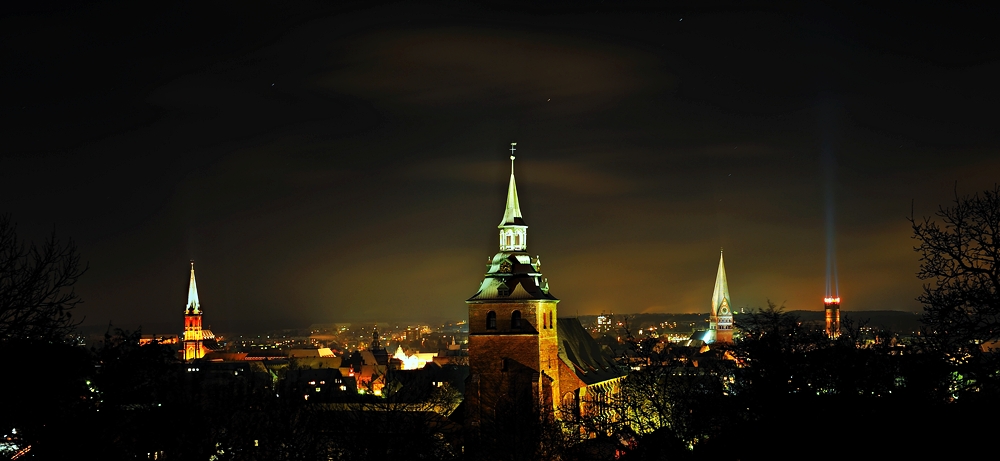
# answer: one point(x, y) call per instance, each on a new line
point(721, 293)
point(193, 306)
point(513, 231)
point(512, 215)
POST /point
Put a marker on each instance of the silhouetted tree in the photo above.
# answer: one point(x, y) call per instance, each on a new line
point(46, 379)
point(130, 374)
point(44, 394)
point(670, 400)
point(959, 249)
point(36, 287)
point(406, 422)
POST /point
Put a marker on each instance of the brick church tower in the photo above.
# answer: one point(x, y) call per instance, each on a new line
point(513, 345)
point(194, 338)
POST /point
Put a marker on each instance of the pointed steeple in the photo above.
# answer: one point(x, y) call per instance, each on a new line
point(721, 293)
point(193, 305)
point(512, 214)
point(513, 230)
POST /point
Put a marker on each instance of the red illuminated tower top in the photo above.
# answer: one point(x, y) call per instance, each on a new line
point(831, 306)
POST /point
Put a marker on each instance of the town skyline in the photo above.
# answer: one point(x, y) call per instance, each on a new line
point(352, 166)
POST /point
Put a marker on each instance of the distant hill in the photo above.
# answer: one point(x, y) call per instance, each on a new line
point(897, 321)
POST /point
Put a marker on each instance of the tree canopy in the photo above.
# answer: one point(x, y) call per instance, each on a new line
point(36, 287)
point(959, 247)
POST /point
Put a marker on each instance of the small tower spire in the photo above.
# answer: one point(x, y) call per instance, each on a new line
point(512, 214)
point(193, 305)
point(513, 231)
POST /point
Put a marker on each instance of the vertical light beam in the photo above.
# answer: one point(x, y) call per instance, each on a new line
point(829, 164)
point(829, 167)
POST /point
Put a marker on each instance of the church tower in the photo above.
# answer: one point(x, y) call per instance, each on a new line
point(721, 321)
point(194, 340)
point(513, 345)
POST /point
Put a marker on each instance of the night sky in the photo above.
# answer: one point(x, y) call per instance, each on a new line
point(327, 162)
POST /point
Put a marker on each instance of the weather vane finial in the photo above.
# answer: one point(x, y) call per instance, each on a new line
point(512, 149)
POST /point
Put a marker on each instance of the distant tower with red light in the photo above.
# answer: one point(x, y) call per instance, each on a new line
point(194, 337)
point(832, 306)
point(721, 322)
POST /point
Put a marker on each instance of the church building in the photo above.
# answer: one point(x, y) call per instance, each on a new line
point(197, 341)
point(721, 321)
point(720, 318)
point(526, 364)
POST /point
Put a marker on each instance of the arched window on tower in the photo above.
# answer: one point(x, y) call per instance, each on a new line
point(515, 320)
point(491, 320)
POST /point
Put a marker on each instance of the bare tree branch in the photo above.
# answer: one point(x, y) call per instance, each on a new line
point(36, 286)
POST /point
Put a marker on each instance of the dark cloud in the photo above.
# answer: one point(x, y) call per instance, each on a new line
point(458, 65)
point(326, 163)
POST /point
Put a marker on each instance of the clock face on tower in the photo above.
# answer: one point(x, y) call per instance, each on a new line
point(505, 267)
point(724, 310)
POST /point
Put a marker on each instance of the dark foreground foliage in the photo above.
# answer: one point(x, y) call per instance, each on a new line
point(785, 389)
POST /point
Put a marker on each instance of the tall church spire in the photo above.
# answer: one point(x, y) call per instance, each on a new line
point(512, 215)
point(721, 288)
point(722, 315)
point(513, 231)
point(194, 336)
point(193, 306)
